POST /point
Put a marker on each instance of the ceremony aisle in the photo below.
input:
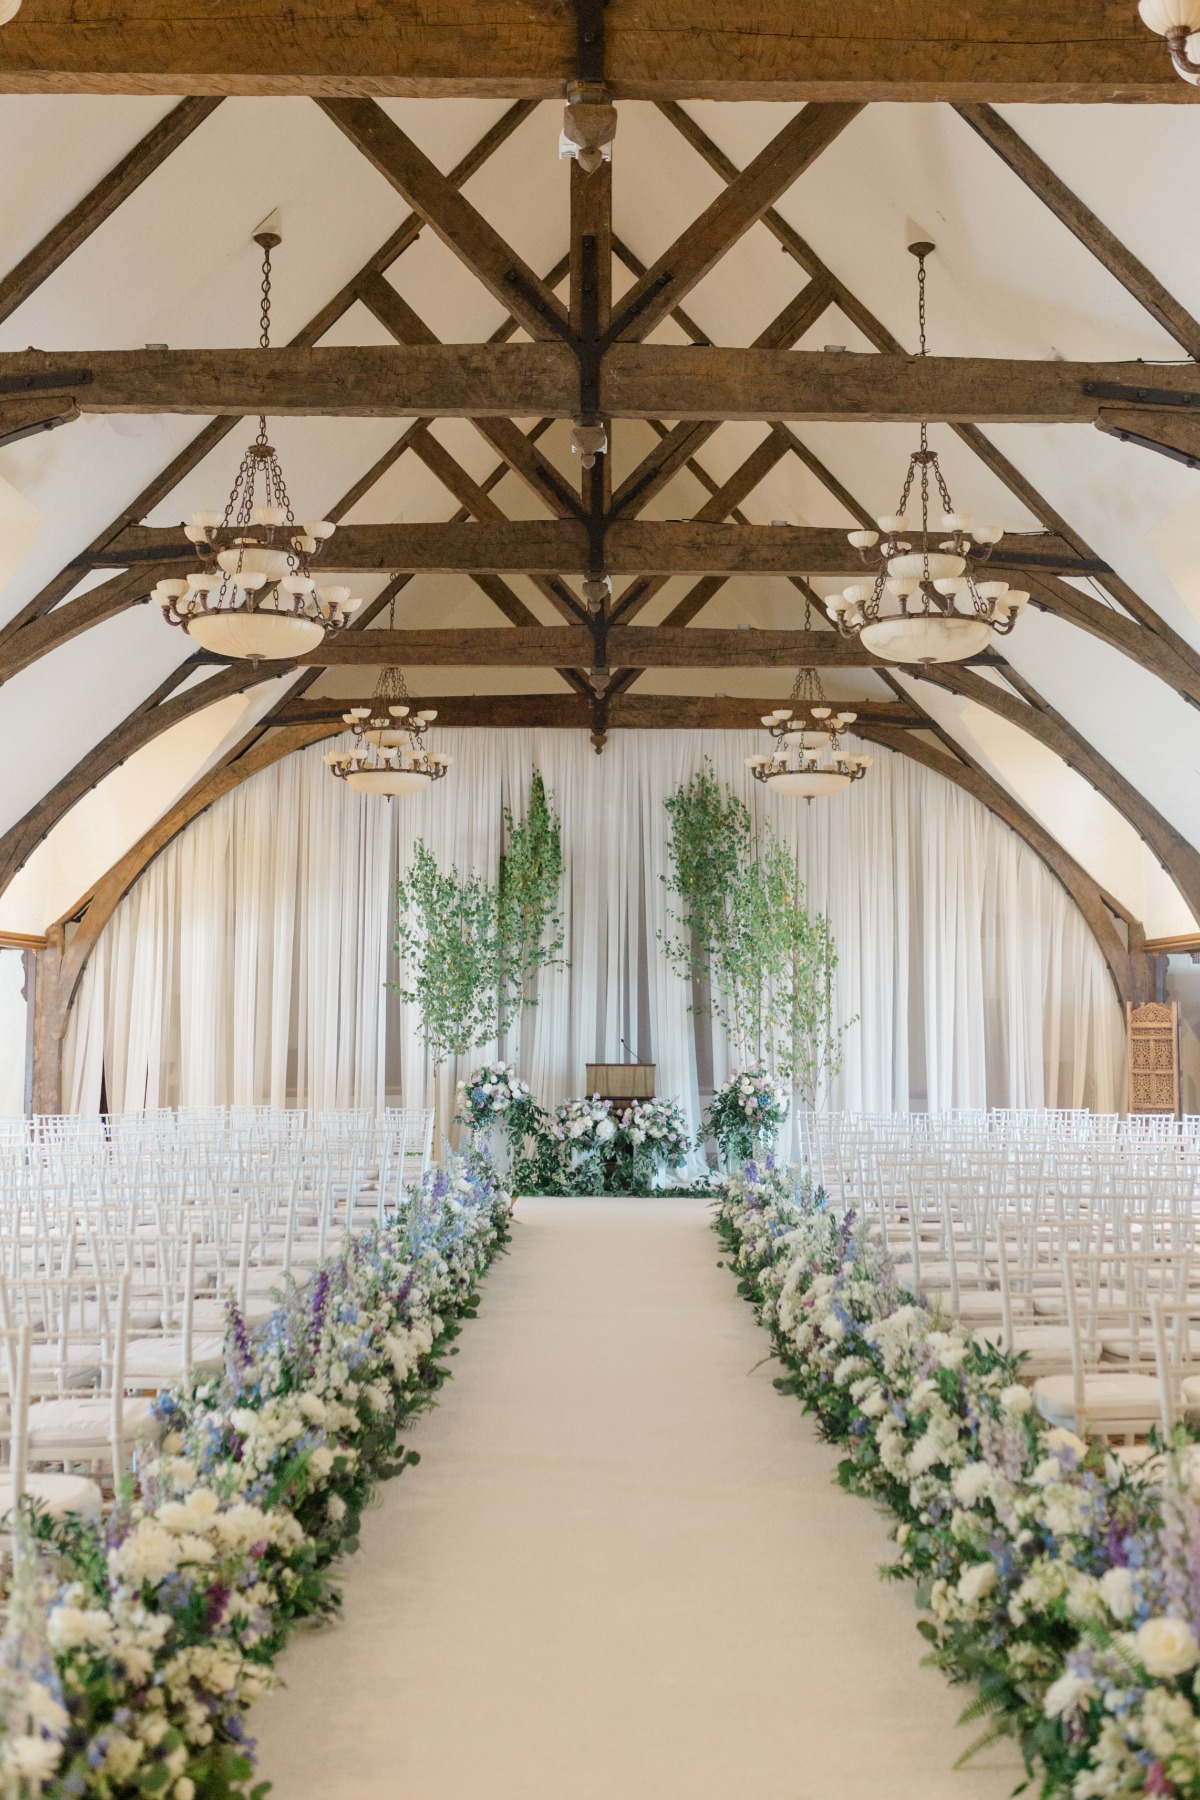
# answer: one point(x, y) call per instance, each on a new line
point(621, 1568)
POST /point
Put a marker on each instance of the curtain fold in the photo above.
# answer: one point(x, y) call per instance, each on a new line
point(249, 963)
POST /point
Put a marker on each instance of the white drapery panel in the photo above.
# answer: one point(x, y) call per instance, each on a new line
point(249, 962)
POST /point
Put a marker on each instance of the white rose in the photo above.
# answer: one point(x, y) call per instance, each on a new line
point(1066, 1695)
point(1166, 1647)
point(70, 1627)
point(1059, 1439)
point(976, 1581)
point(1116, 1586)
point(32, 1758)
point(972, 1483)
point(1016, 1399)
point(605, 1129)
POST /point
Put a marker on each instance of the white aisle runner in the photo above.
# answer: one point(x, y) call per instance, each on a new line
point(621, 1571)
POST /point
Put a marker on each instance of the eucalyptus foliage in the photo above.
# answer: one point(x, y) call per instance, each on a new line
point(472, 949)
point(745, 933)
point(530, 928)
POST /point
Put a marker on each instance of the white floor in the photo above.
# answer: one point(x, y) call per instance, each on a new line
point(620, 1571)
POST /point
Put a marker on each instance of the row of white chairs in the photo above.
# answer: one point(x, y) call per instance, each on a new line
point(122, 1251)
point(1067, 1238)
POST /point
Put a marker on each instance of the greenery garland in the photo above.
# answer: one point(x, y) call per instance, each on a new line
point(473, 949)
point(1059, 1582)
point(131, 1651)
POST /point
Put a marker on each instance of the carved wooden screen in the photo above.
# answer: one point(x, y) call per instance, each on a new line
point(1153, 1057)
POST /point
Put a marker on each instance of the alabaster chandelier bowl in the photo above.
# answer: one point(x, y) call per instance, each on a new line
point(259, 635)
point(926, 637)
point(390, 783)
point(809, 784)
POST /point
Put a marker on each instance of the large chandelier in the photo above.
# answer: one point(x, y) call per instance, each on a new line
point(389, 755)
point(925, 602)
point(255, 595)
point(1179, 22)
point(809, 760)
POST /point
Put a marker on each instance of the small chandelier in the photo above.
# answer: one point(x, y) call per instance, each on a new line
point(909, 612)
point(255, 596)
point(389, 755)
point(1179, 22)
point(799, 765)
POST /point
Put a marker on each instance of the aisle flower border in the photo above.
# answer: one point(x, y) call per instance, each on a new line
point(132, 1652)
point(1062, 1584)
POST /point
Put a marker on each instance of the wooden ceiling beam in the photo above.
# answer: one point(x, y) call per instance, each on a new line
point(999, 50)
point(123, 179)
point(572, 712)
point(637, 381)
point(19, 649)
point(441, 203)
point(557, 646)
point(681, 443)
point(557, 546)
point(727, 219)
point(1092, 233)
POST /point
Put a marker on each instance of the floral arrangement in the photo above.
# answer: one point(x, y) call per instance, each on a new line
point(746, 1113)
point(491, 1095)
point(1065, 1584)
point(131, 1654)
point(652, 1137)
point(582, 1147)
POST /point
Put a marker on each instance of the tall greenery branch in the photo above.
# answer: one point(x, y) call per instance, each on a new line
point(471, 949)
point(746, 934)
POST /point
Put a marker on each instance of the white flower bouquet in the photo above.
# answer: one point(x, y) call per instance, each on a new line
point(746, 1113)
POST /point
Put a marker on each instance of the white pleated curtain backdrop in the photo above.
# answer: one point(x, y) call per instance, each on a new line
point(249, 963)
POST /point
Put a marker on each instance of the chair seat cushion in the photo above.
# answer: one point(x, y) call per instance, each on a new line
point(212, 1315)
point(84, 1427)
point(161, 1359)
point(1106, 1397)
point(974, 1304)
point(55, 1494)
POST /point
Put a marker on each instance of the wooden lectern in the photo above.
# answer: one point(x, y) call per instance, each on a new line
point(622, 1083)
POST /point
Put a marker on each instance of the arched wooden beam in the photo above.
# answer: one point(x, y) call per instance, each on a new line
point(151, 719)
point(1130, 970)
point(1179, 858)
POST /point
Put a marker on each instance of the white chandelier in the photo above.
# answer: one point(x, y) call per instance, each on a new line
point(389, 755)
point(925, 601)
point(800, 764)
point(1179, 22)
point(255, 596)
